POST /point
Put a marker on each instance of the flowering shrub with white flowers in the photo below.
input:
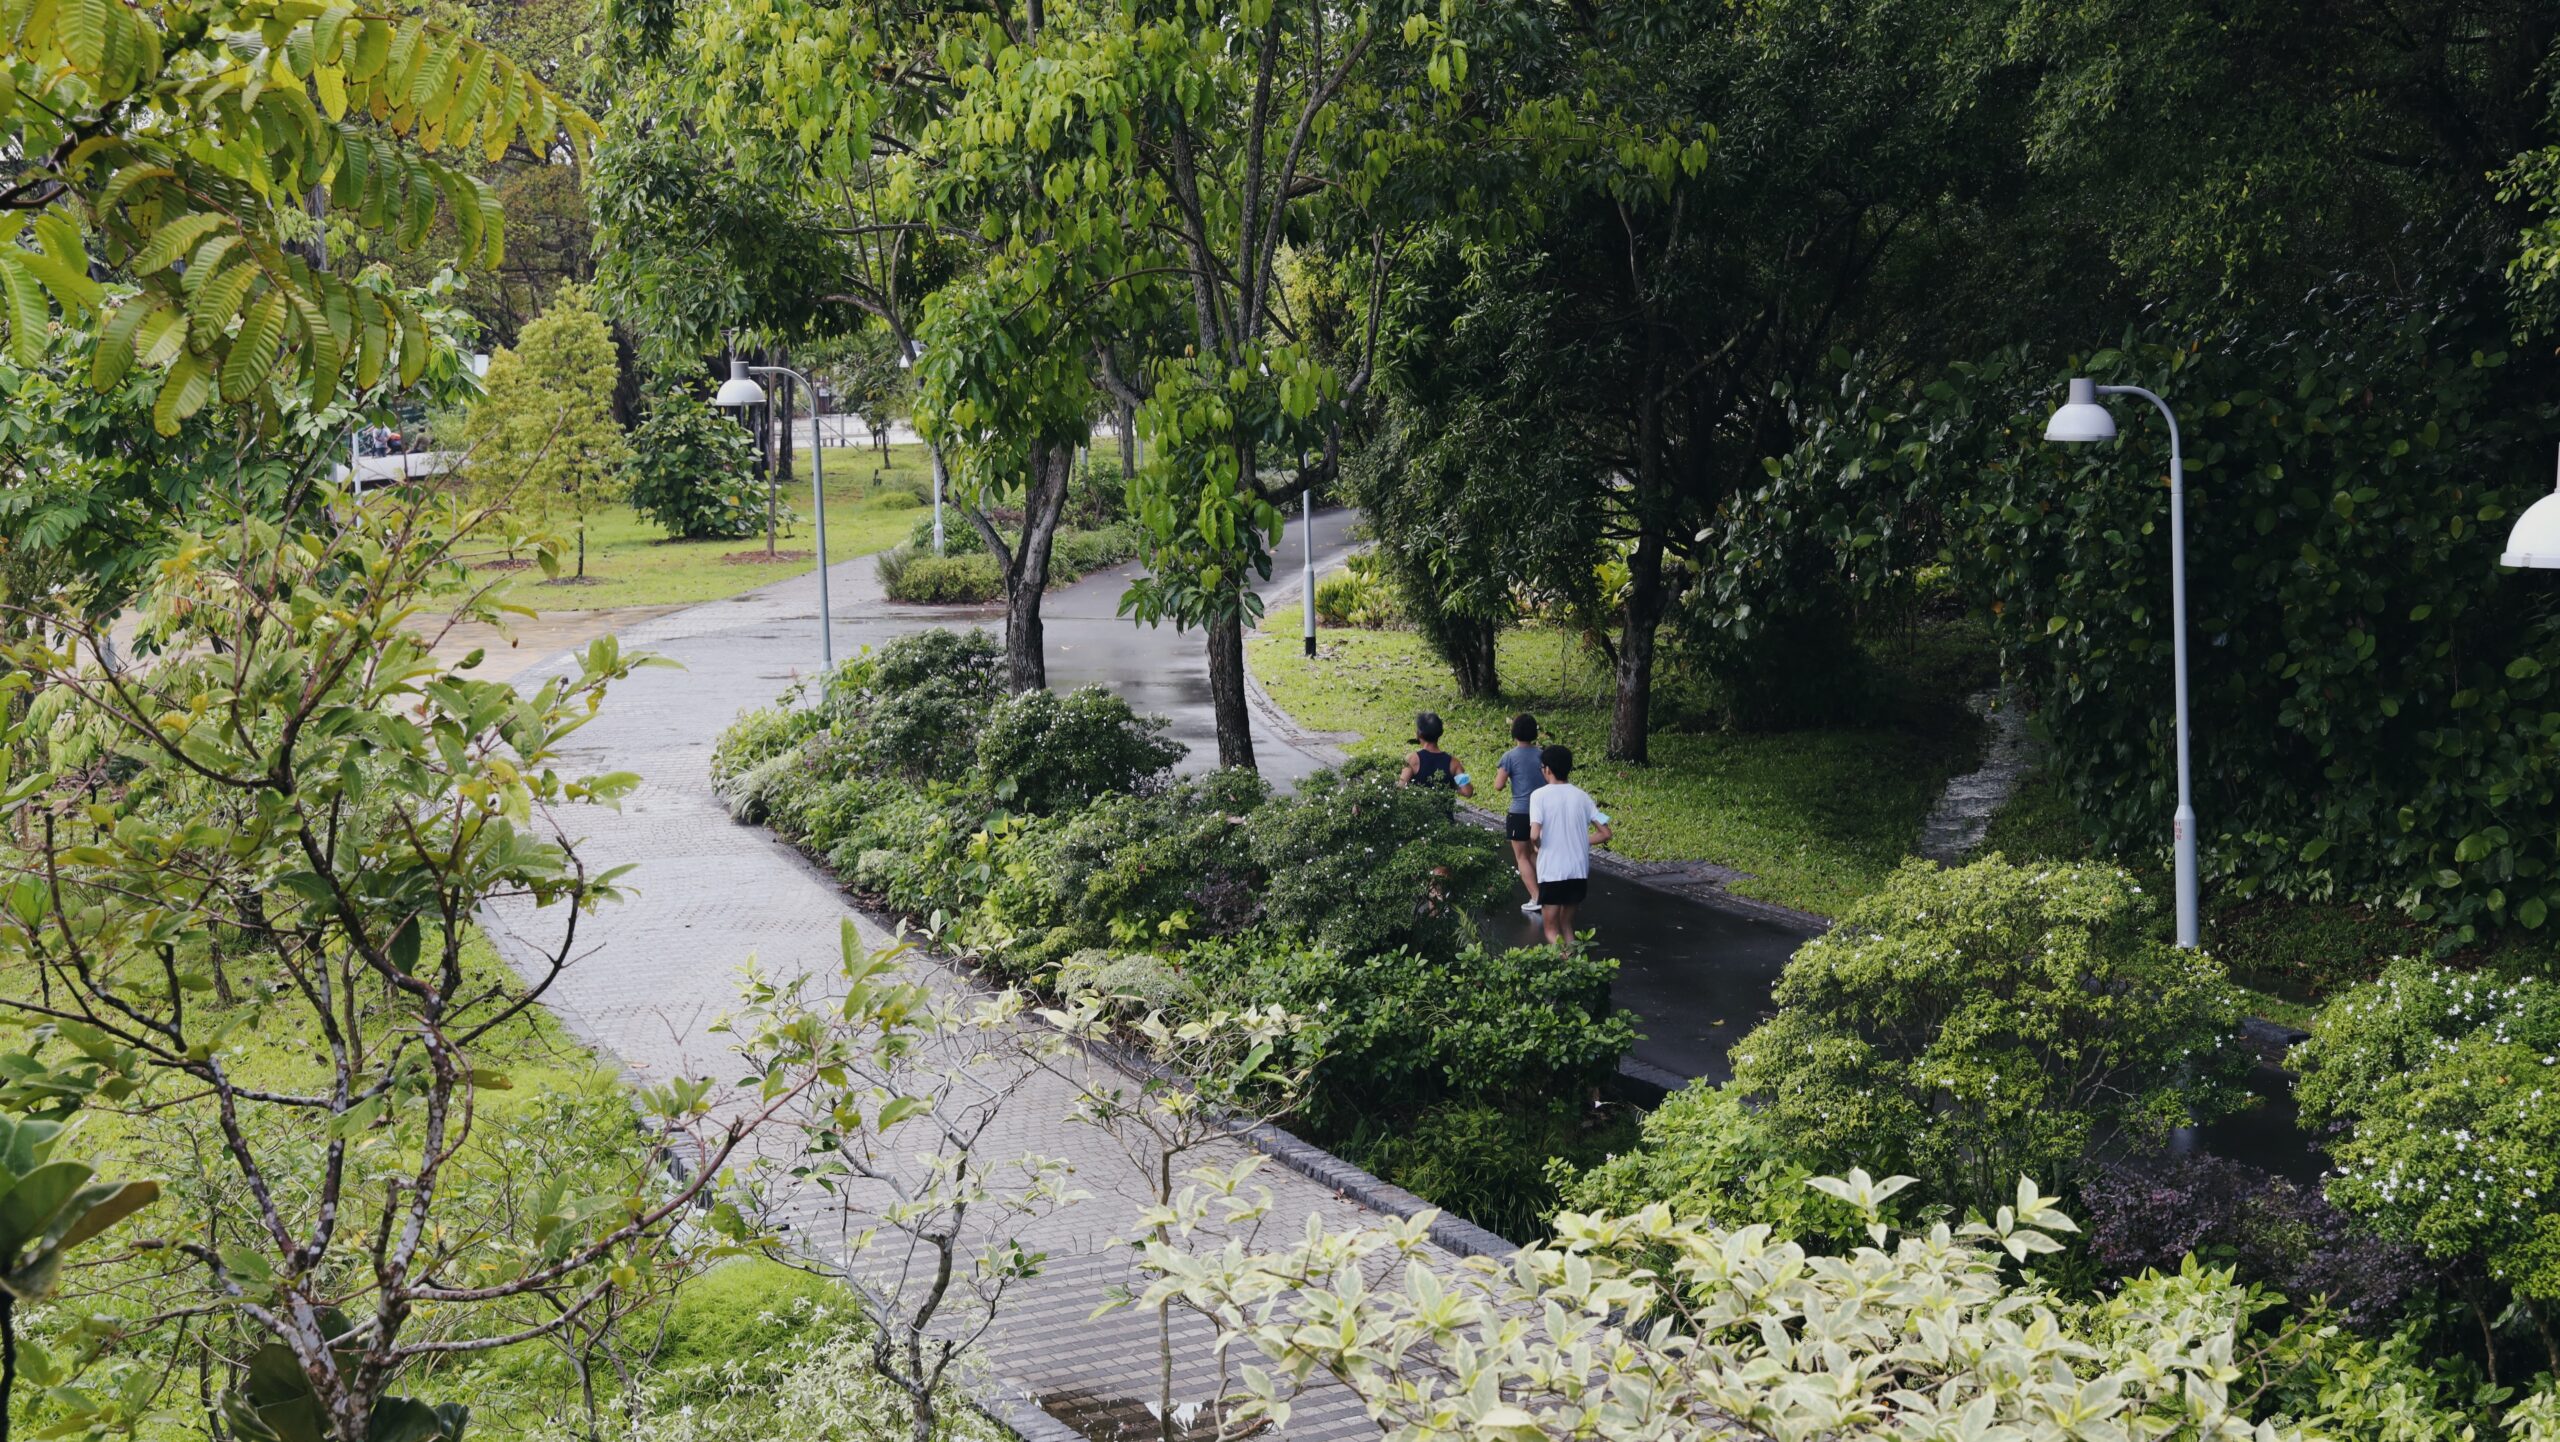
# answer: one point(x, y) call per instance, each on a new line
point(2443, 1090)
point(1974, 1025)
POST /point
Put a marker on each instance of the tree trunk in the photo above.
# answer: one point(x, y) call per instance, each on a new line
point(1026, 653)
point(1471, 658)
point(1227, 691)
point(1128, 440)
point(1630, 721)
point(787, 477)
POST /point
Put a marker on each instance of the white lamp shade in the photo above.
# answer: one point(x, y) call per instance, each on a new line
point(2535, 542)
point(2081, 418)
point(740, 389)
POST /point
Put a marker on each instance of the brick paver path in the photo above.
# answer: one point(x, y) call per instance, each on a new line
point(658, 969)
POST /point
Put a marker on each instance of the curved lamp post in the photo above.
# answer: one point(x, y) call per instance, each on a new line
point(740, 391)
point(2082, 419)
point(2535, 542)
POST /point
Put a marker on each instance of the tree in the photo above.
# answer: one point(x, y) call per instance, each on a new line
point(1704, 200)
point(172, 146)
point(845, 247)
point(155, 258)
point(690, 471)
point(1136, 186)
point(872, 378)
point(543, 439)
point(316, 804)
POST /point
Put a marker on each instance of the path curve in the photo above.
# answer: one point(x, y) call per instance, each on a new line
point(657, 970)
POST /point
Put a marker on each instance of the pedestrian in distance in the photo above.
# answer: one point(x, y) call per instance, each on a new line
point(1428, 765)
point(1521, 771)
point(1563, 822)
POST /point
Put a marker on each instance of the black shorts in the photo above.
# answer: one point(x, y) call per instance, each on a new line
point(1515, 824)
point(1568, 892)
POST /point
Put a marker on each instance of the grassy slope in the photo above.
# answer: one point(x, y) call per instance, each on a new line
point(630, 562)
point(1817, 817)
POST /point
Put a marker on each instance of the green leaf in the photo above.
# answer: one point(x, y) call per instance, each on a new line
point(29, 316)
point(173, 240)
point(183, 392)
point(253, 350)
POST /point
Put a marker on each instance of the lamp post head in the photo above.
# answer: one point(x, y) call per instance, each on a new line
point(2081, 418)
point(2535, 542)
point(740, 389)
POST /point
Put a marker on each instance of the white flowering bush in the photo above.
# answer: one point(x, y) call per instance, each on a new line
point(1933, 1333)
point(2441, 1091)
point(1974, 1025)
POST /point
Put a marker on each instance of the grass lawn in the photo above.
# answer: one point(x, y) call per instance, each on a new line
point(1816, 817)
point(630, 561)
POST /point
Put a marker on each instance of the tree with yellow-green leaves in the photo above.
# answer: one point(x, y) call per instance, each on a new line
point(543, 439)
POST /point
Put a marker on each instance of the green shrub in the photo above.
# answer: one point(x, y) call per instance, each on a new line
point(1136, 983)
point(1097, 495)
point(959, 538)
point(1486, 1163)
point(1972, 1026)
point(1707, 1154)
point(1078, 554)
point(923, 580)
point(1046, 753)
point(914, 706)
point(760, 735)
point(1359, 596)
point(2440, 1091)
point(1363, 865)
point(692, 471)
point(895, 498)
point(1133, 870)
point(1400, 1029)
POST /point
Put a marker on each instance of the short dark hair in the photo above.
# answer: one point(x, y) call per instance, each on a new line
point(1558, 759)
point(1426, 726)
point(1524, 728)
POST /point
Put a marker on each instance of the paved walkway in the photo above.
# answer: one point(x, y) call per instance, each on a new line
point(659, 969)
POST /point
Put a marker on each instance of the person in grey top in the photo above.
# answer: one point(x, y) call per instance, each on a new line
point(1520, 771)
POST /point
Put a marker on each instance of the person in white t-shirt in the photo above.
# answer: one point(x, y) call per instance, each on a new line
point(1563, 820)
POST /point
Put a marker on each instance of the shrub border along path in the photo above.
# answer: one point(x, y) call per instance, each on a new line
point(660, 968)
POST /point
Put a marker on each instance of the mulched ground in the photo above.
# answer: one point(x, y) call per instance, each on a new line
point(765, 558)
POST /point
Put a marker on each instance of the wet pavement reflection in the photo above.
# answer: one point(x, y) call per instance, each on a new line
point(1696, 978)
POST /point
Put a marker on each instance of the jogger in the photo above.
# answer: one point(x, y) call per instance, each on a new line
point(1522, 772)
point(1562, 822)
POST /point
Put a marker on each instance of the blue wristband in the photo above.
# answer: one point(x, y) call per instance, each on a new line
point(1464, 778)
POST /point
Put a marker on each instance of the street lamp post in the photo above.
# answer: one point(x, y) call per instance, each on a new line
point(2081, 418)
point(2535, 542)
point(740, 391)
point(1307, 559)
